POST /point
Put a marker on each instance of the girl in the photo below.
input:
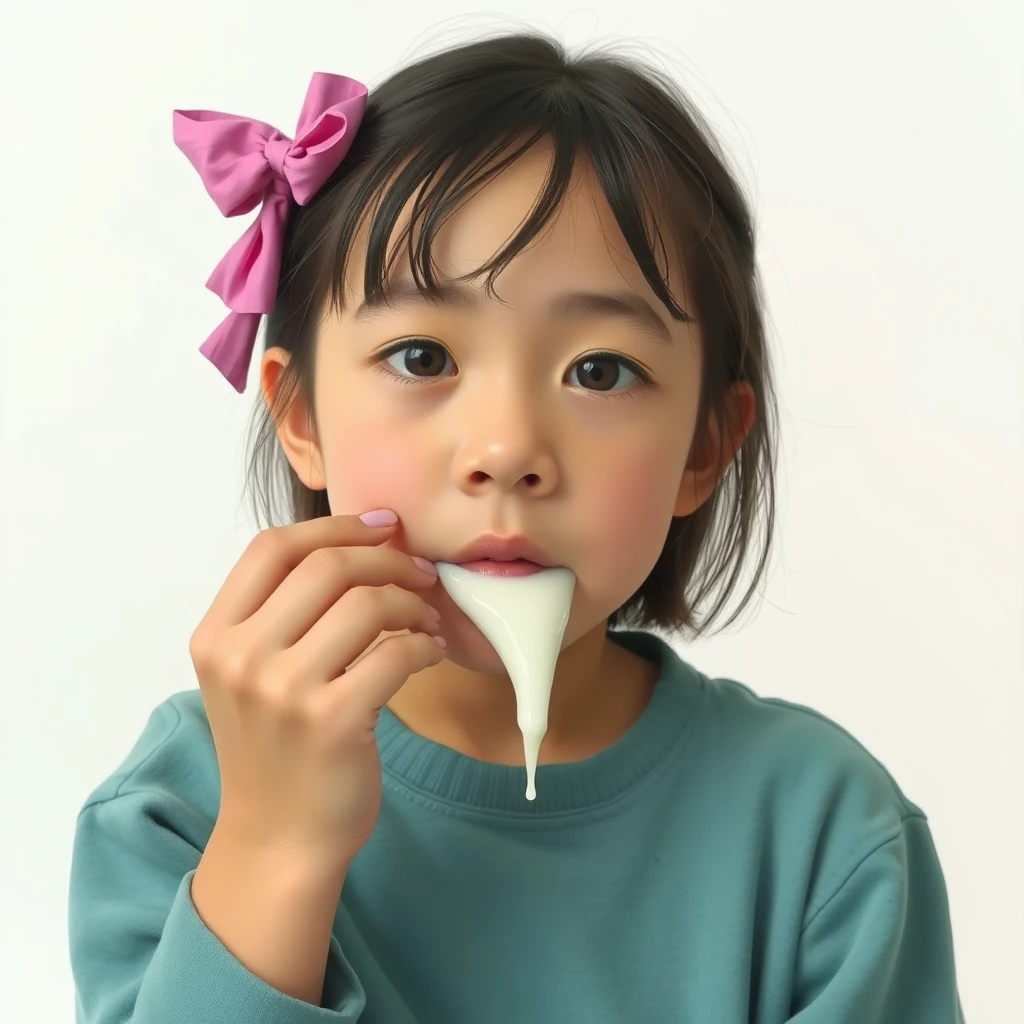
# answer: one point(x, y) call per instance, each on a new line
point(513, 313)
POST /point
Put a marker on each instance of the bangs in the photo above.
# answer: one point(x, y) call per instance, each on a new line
point(478, 137)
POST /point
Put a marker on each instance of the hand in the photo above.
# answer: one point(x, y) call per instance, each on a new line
point(292, 702)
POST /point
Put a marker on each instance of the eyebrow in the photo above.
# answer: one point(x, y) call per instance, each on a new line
point(627, 306)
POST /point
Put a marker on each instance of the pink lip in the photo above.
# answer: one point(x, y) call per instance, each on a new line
point(490, 548)
point(517, 567)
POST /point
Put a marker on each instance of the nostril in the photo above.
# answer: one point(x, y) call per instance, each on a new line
point(531, 479)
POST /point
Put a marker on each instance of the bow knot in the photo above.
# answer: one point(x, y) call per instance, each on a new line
point(277, 150)
point(244, 163)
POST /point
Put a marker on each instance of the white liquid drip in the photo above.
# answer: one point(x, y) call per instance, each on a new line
point(524, 618)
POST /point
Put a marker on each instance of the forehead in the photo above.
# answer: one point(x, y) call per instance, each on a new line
point(581, 244)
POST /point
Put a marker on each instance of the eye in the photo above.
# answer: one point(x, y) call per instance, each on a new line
point(417, 359)
point(602, 372)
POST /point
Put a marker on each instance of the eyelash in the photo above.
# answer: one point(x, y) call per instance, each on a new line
point(643, 378)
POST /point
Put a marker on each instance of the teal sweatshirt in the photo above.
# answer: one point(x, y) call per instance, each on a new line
point(730, 860)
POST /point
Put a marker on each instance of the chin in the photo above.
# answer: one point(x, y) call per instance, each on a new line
point(471, 650)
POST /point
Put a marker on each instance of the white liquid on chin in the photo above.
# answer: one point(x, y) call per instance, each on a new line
point(524, 618)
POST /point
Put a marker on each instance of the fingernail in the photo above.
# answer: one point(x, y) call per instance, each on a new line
point(434, 612)
point(379, 517)
point(425, 565)
point(441, 640)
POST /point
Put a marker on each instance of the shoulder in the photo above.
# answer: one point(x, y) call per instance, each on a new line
point(776, 749)
point(173, 754)
point(763, 731)
point(791, 780)
point(827, 804)
point(803, 751)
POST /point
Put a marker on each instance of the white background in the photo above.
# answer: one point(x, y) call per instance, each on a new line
point(881, 146)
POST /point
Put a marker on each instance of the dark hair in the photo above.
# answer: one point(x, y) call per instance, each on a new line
point(450, 122)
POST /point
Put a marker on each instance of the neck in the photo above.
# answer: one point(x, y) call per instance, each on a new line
point(599, 690)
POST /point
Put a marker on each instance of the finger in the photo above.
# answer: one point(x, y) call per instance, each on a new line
point(345, 631)
point(320, 580)
point(368, 686)
point(273, 554)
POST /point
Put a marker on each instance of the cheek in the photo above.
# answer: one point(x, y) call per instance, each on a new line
point(630, 507)
point(377, 472)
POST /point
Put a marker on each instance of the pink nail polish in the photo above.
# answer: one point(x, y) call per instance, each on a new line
point(379, 517)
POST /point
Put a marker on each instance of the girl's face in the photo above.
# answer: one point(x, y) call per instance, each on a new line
point(565, 422)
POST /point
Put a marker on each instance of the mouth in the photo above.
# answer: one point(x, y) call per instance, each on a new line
point(492, 567)
point(502, 556)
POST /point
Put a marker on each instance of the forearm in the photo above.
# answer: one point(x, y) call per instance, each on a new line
point(274, 912)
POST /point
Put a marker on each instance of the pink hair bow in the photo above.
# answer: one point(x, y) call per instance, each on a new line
point(242, 163)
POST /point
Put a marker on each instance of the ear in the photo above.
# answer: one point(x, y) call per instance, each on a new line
point(293, 422)
point(711, 456)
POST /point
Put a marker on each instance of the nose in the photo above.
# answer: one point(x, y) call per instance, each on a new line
point(506, 447)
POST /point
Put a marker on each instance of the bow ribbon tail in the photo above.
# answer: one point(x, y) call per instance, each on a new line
point(231, 345)
point(246, 278)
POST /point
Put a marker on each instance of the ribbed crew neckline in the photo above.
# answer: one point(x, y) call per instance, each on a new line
point(431, 771)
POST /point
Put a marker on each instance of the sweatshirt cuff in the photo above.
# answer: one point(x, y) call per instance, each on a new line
point(193, 977)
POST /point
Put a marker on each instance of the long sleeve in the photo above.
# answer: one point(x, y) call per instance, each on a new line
point(139, 951)
point(880, 949)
